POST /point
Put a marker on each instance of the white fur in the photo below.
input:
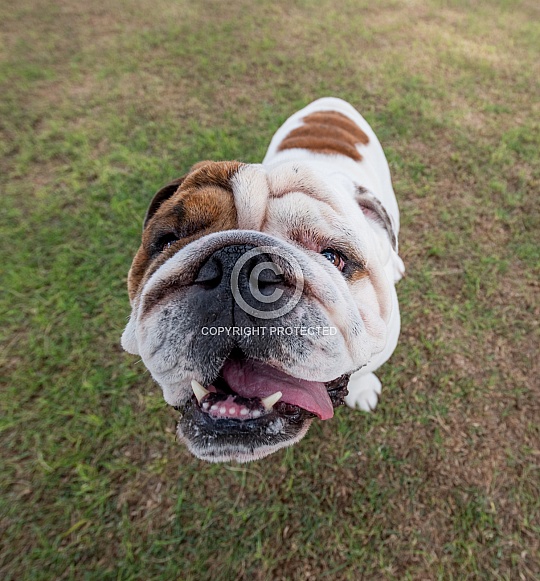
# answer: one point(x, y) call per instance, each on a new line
point(373, 173)
point(364, 391)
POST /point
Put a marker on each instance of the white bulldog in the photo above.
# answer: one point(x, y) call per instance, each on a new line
point(261, 293)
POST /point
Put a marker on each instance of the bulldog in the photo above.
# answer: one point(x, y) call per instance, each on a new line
point(263, 295)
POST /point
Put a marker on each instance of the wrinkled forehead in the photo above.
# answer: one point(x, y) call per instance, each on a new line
point(258, 192)
point(250, 192)
point(302, 202)
point(290, 191)
point(295, 203)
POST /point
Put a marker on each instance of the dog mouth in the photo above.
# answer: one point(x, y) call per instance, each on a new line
point(252, 409)
point(249, 389)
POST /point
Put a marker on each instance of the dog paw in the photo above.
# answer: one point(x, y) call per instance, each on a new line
point(364, 392)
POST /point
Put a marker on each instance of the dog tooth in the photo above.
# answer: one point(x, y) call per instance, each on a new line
point(244, 412)
point(198, 390)
point(268, 402)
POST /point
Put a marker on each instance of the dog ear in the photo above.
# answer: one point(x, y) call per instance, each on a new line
point(167, 191)
point(375, 211)
point(164, 194)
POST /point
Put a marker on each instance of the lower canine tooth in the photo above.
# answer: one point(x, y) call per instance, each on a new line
point(268, 402)
point(198, 390)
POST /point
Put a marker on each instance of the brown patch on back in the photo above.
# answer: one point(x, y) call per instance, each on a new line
point(327, 132)
point(203, 204)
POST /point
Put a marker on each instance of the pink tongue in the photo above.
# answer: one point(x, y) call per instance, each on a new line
point(254, 379)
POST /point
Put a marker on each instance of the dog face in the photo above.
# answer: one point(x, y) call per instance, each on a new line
point(255, 293)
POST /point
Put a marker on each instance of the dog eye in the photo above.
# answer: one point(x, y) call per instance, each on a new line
point(334, 257)
point(166, 241)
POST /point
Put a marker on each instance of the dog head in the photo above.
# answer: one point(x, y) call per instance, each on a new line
point(255, 293)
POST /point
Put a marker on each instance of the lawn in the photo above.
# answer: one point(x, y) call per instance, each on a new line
point(101, 103)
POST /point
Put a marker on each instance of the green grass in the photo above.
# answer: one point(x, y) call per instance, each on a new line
point(101, 104)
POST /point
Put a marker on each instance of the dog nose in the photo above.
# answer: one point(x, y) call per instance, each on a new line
point(230, 262)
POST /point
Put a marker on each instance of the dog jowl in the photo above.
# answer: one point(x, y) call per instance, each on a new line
point(263, 295)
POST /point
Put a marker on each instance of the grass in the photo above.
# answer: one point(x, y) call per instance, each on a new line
point(101, 104)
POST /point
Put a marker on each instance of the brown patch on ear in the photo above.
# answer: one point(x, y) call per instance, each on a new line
point(164, 194)
point(327, 132)
point(170, 189)
point(212, 173)
point(201, 204)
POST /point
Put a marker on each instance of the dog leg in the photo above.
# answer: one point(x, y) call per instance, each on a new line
point(364, 392)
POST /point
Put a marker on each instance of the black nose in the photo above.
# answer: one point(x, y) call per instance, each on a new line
point(218, 269)
point(241, 270)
